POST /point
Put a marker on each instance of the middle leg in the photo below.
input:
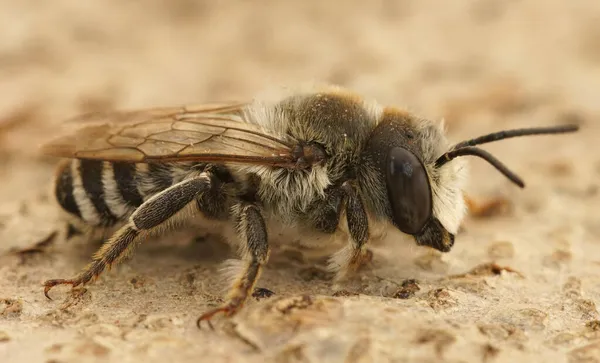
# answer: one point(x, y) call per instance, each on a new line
point(252, 234)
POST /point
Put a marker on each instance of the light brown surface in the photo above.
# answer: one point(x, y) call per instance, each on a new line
point(483, 65)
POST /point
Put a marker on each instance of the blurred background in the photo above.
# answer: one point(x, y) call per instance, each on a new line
point(481, 65)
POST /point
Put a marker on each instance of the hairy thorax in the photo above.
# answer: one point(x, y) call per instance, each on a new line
point(285, 194)
point(335, 122)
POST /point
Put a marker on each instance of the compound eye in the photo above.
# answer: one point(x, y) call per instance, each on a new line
point(408, 190)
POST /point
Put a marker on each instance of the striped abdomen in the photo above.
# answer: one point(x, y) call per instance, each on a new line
point(102, 193)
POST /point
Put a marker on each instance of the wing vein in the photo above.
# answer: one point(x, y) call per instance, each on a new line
point(219, 117)
point(204, 133)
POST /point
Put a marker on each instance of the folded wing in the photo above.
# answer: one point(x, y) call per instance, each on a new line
point(205, 133)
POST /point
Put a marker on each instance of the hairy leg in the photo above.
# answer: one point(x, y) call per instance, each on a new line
point(152, 214)
point(252, 233)
point(355, 254)
point(325, 217)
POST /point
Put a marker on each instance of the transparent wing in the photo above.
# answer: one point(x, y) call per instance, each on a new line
point(205, 133)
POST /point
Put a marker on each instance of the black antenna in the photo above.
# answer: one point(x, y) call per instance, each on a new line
point(475, 151)
point(501, 135)
point(465, 148)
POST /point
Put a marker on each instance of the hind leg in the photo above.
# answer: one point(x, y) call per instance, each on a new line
point(153, 214)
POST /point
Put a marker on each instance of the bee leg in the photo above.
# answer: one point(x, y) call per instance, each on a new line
point(252, 233)
point(355, 254)
point(325, 214)
point(151, 214)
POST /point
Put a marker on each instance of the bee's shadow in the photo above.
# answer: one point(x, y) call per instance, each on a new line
point(189, 247)
point(186, 244)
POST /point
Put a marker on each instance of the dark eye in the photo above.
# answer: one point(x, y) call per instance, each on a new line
point(409, 191)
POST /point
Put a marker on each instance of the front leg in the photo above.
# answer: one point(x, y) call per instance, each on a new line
point(351, 257)
point(325, 217)
point(252, 233)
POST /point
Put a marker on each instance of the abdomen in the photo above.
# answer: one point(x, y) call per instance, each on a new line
point(102, 193)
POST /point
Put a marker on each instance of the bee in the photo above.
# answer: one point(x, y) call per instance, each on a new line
point(312, 160)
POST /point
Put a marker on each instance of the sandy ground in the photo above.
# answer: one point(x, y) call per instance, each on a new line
point(521, 283)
